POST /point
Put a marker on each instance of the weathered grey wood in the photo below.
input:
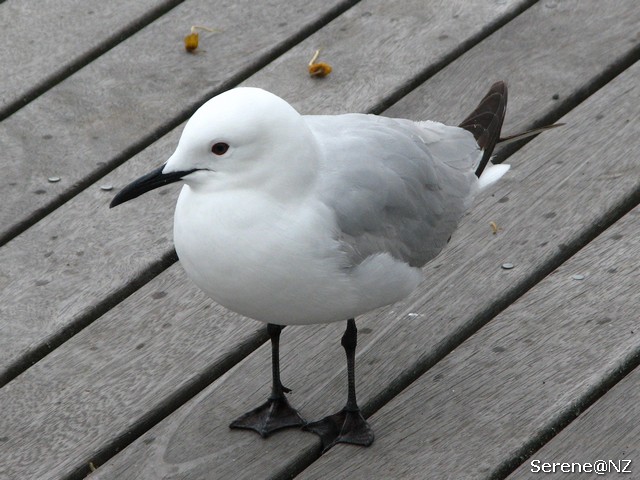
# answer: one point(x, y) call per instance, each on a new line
point(608, 430)
point(42, 41)
point(561, 184)
point(378, 47)
point(135, 92)
point(59, 272)
point(321, 406)
point(34, 312)
point(196, 442)
point(55, 275)
point(115, 375)
point(540, 54)
point(525, 371)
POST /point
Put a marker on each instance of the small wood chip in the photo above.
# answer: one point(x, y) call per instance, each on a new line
point(494, 228)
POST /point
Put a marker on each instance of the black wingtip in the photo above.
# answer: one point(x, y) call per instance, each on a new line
point(485, 122)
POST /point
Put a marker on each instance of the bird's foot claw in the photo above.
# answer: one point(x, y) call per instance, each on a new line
point(346, 426)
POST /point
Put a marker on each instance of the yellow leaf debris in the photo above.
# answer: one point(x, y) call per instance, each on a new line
point(191, 40)
point(494, 227)
point(320, 69)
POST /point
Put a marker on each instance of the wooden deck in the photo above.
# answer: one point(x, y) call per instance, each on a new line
point(111, 359)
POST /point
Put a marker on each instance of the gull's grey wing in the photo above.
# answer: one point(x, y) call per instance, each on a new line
point(396, 186)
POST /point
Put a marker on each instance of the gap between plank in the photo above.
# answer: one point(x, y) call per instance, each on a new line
point(42, 350)
point(593, 395)
point(88, 57)
point(171, 124)
point(175, 401)
point(306, 458)
point(182, 396)
point(37, 353)
point(573, 100)
point(462, 48)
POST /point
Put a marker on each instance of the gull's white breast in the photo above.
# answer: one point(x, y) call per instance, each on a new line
point(280, 263)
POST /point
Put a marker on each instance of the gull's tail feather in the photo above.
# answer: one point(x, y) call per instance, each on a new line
point(529, 133)
point(485, 122)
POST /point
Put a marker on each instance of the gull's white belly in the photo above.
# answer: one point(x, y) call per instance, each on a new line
point(278, 264)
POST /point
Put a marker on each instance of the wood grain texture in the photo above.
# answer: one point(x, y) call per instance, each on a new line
point(33, 306)
point(132, 94)
point(72, 260)
point(549, 55)
point(62, 268)
point(377, 47)
point(608, 430)
point(562, 183)
point(196, 442)
point(532, 365)
point(42, 41)
point(115, 375)
point(176, 451)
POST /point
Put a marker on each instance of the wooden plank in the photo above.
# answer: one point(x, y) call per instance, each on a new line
point(116, 376)
point(45, 41)
point(135, 220)
point(58, 306)
point(608, 430)
point(560, 47)
point(516, 379)
point(378, 48)
point(137, 91)
point(74, 265)
point(537, 208)
point(72, 306)
point(71, 266)
point(196, 442)
point(563, 50)
point(332, 338)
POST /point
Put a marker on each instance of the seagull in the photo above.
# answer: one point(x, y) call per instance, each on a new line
point(294, 219)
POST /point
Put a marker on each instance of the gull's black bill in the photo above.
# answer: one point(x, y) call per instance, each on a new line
point(146, 183)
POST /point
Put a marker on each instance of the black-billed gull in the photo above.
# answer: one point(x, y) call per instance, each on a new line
point(292, 219)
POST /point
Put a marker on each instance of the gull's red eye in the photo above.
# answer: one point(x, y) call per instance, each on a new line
point(219, 148)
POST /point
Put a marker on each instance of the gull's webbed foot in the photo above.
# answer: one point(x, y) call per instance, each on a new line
point(275, 414)
point(346, 426)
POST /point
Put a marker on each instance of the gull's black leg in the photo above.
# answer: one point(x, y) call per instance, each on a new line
point(275, 413)
point(348, 425)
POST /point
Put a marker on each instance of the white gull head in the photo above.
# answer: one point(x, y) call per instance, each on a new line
point(246, 138)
